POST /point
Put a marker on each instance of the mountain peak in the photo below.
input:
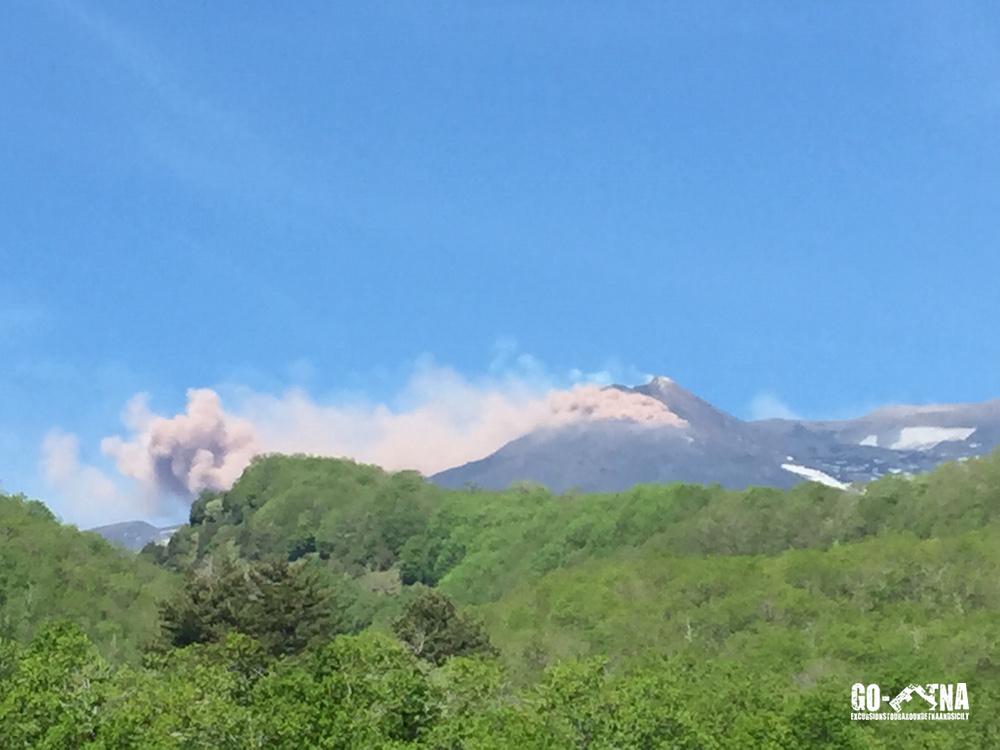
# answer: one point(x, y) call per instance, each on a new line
point(667, 386)
point(685, 404)
point(661, 381)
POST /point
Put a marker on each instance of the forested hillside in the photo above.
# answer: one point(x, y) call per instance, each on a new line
point(49, 570)
point(321, 603)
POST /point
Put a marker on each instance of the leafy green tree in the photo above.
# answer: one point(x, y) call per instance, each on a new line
point(195, 698)
point(476, 704)
point(356, 693)
point(818, 722)
point(51, 694)
point(9, 652)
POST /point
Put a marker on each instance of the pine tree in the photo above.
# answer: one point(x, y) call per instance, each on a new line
point(279, 604)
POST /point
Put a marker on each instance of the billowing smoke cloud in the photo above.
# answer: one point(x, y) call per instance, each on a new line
point(440, 420)
point(202, 448)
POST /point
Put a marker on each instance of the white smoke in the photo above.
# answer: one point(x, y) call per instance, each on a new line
point(767, 405)
point(89, 496)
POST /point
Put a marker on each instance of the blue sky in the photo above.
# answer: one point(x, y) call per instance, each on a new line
point(774, 203)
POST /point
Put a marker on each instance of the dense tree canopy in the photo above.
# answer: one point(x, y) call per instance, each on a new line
point(321, 603)
point(49, 570)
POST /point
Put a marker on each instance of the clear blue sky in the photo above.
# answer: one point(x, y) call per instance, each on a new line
point(794, 198)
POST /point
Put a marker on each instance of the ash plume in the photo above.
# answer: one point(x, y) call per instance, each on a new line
point(203, 448)
point(439, 420)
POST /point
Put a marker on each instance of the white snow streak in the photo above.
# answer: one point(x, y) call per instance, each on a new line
point(815, 475)
point(925, 438)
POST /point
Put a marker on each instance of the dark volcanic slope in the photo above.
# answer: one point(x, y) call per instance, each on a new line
point(612, 455)
point(716, 447)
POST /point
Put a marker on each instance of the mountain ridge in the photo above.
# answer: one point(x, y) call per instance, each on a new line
point(715, 447)
point(709, 446)
point(134, 535)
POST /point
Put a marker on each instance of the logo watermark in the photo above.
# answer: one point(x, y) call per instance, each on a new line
point(931, 701)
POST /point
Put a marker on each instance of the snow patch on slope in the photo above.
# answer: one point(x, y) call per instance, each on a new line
point(925, 438)
point(871, 441)
point(815, 475)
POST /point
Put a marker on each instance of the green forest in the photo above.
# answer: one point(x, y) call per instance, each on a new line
point(321, 603)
